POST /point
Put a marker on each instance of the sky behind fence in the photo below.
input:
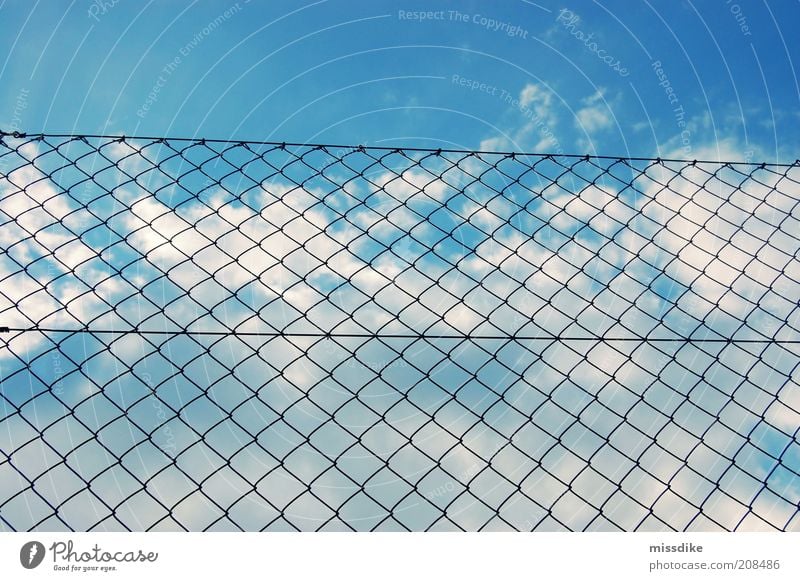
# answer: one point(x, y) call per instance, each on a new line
point(217, 335)
point(669, 79)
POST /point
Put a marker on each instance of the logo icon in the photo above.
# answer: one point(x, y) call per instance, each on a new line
point(31, 554)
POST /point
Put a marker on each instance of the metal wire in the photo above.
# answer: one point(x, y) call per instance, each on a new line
point(227, 335)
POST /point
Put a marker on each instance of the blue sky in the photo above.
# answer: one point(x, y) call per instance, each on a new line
point(371, 72)
point(631, 428)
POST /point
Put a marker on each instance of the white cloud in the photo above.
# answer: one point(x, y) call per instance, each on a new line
point(592, 119)
point(37, 237)
point(537, 98)
point(595, 115)
point(536, 106)
point(497, 143)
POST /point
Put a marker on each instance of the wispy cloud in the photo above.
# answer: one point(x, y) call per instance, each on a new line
point(595, 115)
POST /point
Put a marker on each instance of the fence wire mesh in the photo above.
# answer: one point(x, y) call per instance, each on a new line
point(216, 335)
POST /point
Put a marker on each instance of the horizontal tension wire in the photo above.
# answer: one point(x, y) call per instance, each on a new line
point(332, 335)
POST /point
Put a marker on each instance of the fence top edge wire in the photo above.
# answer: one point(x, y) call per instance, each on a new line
point(421, 335)
point(434, 150)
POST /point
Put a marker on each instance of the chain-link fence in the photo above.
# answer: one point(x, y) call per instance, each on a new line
point(216, 335)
